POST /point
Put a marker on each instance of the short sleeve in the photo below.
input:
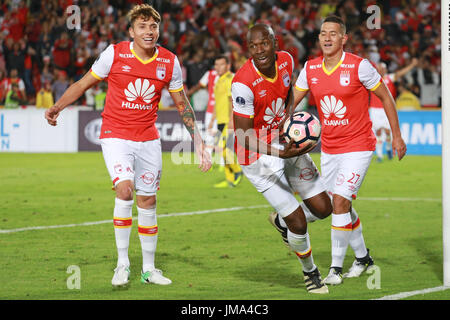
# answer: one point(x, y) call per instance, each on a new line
point(368, 75)
point(102, 66)
point(242, 98)
point(176, 83)
point(204, 79)
point(302, 83)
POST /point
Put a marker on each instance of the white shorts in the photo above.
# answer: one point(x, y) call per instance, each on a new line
point(277, 179)
point(209, 137)
point(344, 173)
point(140, 162)
point(379, 119)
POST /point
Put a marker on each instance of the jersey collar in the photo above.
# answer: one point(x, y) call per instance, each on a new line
point(224, 75)
point(335, 67)
point(141, 60)
point(267, 78)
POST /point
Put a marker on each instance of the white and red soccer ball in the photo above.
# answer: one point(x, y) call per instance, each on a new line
point(302, 127)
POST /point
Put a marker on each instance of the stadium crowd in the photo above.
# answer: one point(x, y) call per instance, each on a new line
point(40, 56)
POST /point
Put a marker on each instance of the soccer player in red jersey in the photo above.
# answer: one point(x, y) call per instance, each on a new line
point(340, 83)
point(136, 72)
point(260, 92)
point(208, 80)
point(380, 123)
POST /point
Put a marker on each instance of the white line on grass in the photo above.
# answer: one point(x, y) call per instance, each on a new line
point(403, 295)
point(199, 212)
point(400, 199)
point(110, 221)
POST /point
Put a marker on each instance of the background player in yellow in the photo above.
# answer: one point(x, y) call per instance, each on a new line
point(222, 115)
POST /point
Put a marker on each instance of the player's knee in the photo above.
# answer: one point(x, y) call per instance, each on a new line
point(146, 202)
point(320, 205)
point(296, 222)
point(124, 190)
point(341, 204)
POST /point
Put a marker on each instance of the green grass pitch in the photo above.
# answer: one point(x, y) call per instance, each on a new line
point(222, 255)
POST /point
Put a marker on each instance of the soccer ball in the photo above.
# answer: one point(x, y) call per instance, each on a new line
point(302, 127)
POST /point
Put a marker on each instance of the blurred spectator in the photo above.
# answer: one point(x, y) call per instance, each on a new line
point(14, 79)
point(61, 52)
point(100, 96)
point(44, 44)
point(89, 96)
point(428, 80)
point(44, 97)
point(46, 74)
point(28, 70)
point(327, 8)
point(406, 100)
point(15, 58)
point(3, 85)
point(196, 68)
point(13, 97)
point(60, 85)
point(81, 63)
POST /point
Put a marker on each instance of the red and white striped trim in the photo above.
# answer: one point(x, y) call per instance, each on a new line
point(148, 231)
point(122, 222)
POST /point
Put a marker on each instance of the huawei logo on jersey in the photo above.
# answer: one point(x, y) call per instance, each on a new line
point(140, 89)
point(274, 113)
point(330, 105)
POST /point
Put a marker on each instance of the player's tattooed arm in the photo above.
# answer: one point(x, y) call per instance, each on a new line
point(186, 112)
point(188, 117)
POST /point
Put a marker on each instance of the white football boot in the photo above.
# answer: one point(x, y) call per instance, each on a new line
point(155, 276)
point(334, 277)
point(121, 276)
point(359, 266)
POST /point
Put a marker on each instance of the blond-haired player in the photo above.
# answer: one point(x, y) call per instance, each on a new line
point(136, 72)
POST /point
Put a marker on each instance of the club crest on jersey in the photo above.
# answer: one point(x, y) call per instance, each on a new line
point(344, 79)
point(161, 71)
point(286, 79)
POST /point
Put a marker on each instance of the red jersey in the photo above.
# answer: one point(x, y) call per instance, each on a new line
point(375, 102)
point(261, 98)
point(134, 90)
point(342, 99)
point(209, 80)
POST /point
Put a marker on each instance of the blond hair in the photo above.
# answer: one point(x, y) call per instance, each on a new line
point(144, 11)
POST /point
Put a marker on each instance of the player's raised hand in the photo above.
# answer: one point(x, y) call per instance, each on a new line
point(51, 114)
point(398, 147)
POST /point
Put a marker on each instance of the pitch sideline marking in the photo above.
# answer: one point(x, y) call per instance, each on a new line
point(199, 212)
point(134, 218)
point(403, 295)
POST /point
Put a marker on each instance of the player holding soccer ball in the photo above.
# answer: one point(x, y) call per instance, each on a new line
point(340, 83)
point(259, 90)
point(304, 128)
point(136, 72)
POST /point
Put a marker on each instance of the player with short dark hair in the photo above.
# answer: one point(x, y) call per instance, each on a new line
point(260, 92)
point(223, 117)
point(340, 83)
point(136, 72)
